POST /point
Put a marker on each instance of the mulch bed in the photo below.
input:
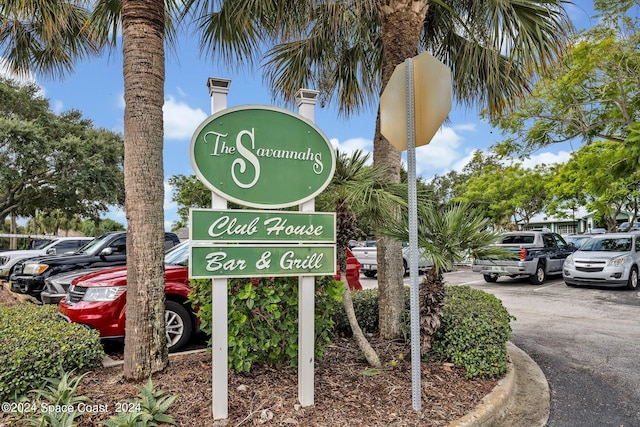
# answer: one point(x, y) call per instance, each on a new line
point(347, 392)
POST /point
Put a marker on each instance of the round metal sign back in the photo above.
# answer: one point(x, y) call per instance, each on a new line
point(262, 157)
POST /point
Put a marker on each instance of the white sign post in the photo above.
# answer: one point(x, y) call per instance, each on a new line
point(231, 152)
point(414, 104)
point(218, 90)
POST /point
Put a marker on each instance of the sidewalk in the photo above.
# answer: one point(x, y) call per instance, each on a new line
point(520, 399)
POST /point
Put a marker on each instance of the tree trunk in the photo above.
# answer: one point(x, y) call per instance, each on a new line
point(344, 228)
point(143, 67)
point(363, 344)
point(401, 26)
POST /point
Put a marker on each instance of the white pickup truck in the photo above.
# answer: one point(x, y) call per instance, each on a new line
point(367, 255)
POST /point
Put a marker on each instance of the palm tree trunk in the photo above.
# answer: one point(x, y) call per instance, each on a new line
point(143, 67)
point(364, 345)
point(344, 229)
point(401, 26)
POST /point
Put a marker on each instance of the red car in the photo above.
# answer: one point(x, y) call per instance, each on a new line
point(97, 299)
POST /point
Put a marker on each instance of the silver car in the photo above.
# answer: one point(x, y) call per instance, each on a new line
point(605, 260)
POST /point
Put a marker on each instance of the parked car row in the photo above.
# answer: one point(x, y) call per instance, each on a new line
point(56, 246)
point(108, 250)
point(89, 286)
point(606, 259)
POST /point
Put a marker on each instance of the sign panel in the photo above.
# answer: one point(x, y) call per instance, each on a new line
point(262, 157)
point(261, 226)
point(231, 261)
point(432, 101)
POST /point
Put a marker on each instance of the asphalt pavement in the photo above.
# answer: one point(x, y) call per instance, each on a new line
point(585, 343)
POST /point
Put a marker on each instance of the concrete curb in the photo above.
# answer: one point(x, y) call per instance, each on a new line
point(520, 398)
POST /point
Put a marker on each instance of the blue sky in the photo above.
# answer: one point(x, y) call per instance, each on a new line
point(96, 89)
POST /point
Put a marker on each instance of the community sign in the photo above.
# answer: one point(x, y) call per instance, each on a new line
point(262, 157)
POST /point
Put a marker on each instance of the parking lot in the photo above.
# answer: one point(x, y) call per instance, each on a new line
point(585, 339)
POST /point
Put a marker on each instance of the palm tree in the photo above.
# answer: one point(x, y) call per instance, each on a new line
point(356, 186)
point(348, 49)
point(45, 37)
point(447, 236)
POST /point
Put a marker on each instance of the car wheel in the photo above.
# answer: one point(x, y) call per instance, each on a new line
point(490, 278)
point(179, 325)
point(538, 278)
point(370, 273)
point(632, 283)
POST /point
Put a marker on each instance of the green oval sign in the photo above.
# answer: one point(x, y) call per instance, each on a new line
point(263, 157)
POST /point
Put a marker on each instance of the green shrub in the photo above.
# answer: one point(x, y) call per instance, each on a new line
point(365, 305)
point(35, 344)
point(263, 318)
point(474, 332)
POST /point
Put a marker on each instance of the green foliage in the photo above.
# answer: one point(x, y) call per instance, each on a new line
point(365, 305)
point(58, 397)
point(149, 410)
point(263, 317)
point(100, 226)
point(35, 344)
point(78, 168)
point(474, 331)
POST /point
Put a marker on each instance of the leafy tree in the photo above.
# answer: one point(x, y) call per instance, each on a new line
point(587, 178)
point(506, 194)
point(591, 93)
point(100, 226)
point(54, 162)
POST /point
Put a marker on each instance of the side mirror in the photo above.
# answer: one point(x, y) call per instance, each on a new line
point(51, 251)
point(106, 252)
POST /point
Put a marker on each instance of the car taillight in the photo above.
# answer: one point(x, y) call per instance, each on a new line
point(523, 254)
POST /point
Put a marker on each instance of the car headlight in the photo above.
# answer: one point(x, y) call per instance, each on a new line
point(35, 269)
point(107, 293)
point(569, 261)
point(617, 262)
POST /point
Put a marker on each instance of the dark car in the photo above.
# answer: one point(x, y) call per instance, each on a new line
point(108, 250)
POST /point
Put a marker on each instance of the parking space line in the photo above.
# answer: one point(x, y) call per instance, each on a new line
point(547, 286)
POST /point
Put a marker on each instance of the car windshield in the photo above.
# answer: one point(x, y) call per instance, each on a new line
point(178, 255)
point(577, 240)
point(611, 244)
point(41, 244)
point(93, 246)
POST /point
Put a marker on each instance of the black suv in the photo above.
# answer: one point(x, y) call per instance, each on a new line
point(108, 250)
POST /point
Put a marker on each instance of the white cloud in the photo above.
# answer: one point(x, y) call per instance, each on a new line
point(440, 153)
point(22, 79)
point(353, 144)
point(180, 120)
point(57, 106)
point(547, 158)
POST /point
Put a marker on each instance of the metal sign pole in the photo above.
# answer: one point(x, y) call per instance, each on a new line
point(416, 372)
